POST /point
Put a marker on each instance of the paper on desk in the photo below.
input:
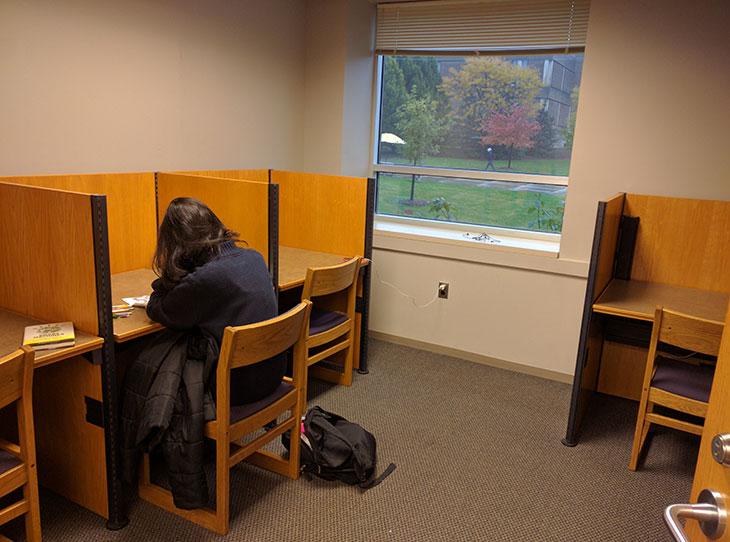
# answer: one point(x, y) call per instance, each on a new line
point(139, 301)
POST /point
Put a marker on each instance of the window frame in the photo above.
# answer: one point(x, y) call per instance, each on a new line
point(427, 226)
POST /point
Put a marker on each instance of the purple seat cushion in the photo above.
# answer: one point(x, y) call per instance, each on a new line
point(8, 461)
point(239, 412)
point(691, 381)
point(320, 320)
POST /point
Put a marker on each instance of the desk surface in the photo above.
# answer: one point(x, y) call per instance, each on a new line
point(293, 264)
point(638, 300)
point(12, 326)
point(133, 284)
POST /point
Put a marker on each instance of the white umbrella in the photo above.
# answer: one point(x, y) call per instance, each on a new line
point(391, 138)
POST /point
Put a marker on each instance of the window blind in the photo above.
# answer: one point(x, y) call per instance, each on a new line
point(464, 26)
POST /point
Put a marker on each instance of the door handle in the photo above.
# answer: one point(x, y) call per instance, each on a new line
point(710, 511)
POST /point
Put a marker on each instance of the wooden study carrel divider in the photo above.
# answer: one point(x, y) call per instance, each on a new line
point(648, 251)
point(56, 268)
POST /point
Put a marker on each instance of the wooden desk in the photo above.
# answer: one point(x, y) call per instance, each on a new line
point(12, 326)
point(133, 284)
point(647, 251)
point(637, 300)
point(293, 264)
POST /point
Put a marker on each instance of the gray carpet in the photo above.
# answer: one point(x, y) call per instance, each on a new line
point(479, 458)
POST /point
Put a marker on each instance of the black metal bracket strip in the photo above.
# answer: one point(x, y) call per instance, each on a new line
point(157, 203)
point(368, 253)
point(571, 435)
point(117, 514)
point(274, 235)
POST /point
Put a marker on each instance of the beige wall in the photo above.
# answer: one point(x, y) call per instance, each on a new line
point(654, 113)
point(98, 85)
point(338, 86)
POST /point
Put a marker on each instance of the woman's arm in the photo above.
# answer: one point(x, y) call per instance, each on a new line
point(177, 307)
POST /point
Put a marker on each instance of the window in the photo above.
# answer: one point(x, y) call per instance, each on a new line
point(482, 139)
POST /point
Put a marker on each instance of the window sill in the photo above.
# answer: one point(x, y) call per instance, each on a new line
point(507, 248)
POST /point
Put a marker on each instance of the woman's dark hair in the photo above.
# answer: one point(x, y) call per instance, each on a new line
point(190, 235)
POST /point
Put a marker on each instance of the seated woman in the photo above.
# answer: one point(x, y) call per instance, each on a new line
point(207, 283)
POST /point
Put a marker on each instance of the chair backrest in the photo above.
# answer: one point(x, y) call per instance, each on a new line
point(16, 375)
point(688, 332)
point(329, 280)
point(252, 343)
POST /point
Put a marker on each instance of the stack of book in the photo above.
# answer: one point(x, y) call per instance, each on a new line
point(47, 336)
point(122, 311)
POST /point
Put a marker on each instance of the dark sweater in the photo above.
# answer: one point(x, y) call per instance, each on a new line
point(231, 290)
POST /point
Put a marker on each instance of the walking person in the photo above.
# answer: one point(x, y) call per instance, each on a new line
point(490, 159)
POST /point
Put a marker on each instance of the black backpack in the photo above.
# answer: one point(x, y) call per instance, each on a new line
point(335, 449)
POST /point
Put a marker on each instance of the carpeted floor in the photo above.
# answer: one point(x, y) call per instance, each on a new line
point(479, 459)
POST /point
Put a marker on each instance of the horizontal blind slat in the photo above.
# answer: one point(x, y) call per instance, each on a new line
point(482, 25)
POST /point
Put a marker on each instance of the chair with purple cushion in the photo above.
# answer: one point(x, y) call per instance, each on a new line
point(17, 461)
point(332, 323)
point(242, 346)
point(679, 383)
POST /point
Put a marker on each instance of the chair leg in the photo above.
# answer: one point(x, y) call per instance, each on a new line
point(295, 439)
point(642, 429)
point(347, 369)
point(222, 486)
point(33, 516)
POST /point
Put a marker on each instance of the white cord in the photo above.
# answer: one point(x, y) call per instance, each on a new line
point(413, 299)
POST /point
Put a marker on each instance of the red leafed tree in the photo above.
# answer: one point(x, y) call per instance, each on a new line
point(514, 130)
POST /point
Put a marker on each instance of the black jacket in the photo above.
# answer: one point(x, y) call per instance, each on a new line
point(166, 404)
point(231, 290)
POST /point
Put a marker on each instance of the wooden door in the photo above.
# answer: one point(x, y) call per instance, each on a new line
point(710, 474)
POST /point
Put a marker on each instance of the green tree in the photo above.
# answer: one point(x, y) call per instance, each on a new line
point(544, 140)
point(421, 74)
point(569, 130)
point(488, 85)
point(394, 94)
point(420, 127)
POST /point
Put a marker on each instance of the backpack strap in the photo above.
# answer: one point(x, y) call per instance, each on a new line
point(375, 481)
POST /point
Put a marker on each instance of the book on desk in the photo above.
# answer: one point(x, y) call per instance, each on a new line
point(48, 336)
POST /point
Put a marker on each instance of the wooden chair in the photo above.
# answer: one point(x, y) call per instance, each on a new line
point(680, 384)
point(246, 345)
point(332, 322)
point(17, 461)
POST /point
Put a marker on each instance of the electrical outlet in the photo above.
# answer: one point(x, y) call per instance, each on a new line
point(443, 290)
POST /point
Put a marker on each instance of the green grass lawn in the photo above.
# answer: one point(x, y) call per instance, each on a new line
point(540, 166)
point(471, 202)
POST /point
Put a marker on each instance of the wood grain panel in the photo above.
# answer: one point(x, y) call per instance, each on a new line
point(609, 238)
point(258, 175)
point(70, 451)
point(294, 262)
point(323, 213)
point(682, 241)
point(241, 206)
point(47, 247)
point(622, 370)
point(130, 211)
point(636, 299)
